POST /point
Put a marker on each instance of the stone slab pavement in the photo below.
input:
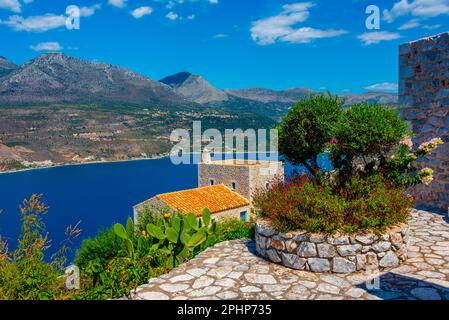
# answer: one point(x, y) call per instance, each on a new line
point(233, 270)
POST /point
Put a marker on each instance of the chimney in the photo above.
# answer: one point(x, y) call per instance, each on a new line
point(206, 156)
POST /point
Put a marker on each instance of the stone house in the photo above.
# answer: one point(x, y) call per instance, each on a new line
point(225, 187)
point(219, 199)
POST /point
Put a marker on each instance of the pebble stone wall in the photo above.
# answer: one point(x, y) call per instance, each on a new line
point(333, 254)
point(424, 93)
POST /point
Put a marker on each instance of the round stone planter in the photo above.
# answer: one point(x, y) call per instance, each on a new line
point(332, 253)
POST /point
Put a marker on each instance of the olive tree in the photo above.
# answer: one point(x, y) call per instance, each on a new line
point(305, 131)
point(365, 132)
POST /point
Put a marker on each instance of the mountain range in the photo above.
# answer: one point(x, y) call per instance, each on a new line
point(58, 78)
point(56, 109)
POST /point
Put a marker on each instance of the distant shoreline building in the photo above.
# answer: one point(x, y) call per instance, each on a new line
point(225, 187)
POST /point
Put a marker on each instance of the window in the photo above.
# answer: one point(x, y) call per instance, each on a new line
point(267, 184)
point(233, 185)
point(243, 216)
point(211, 182)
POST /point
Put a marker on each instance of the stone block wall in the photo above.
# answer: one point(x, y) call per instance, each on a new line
point(265, 172)
point(225, 174)
point(333, 253)
point(424, 94)
point(248, 178)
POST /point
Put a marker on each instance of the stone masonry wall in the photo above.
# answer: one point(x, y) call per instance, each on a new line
point(225, 174)
point(333, 254)
point(266, 172)
point(248, 178)
point(424, 93)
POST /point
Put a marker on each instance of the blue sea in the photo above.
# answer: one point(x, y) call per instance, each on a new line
point(98, 195)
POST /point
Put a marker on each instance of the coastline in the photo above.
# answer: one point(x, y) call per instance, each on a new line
point(69, 164)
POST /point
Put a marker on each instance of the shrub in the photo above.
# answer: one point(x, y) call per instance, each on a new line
point(24, 274)
point(359, 205)
point(151, 214)
point(120, 276)
point(101, 248)
point(229, 229)
point(233, 229)
point(305, 131)
point(364, 131)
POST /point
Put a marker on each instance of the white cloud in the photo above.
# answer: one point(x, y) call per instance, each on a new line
point(213, 1)
point(220, 36)
point(376, 37)
point(280, 28)
point(410, 25)
point(117, 3)
point(432, 26)
point(172, 16)
point(417, 8)
point(47, 46)
point(191, 17)
point(141, 11)
point(384, 86)
point(89, 11)
point(307, 34)
point(12, 5)
point(35, 23)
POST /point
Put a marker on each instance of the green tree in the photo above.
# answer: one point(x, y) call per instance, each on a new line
point(305, 131)
point(366, 133)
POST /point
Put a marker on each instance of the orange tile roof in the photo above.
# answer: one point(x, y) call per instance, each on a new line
point(217, 198)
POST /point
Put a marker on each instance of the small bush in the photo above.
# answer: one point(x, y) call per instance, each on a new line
point(101, 248)
point(360, 205)
point(234, 229)
point(120, 276)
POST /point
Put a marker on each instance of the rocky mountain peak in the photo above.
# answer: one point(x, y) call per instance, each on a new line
point(194, 88)
point(177, 79)
point(56, 77)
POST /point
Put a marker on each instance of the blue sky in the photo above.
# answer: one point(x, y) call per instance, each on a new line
point(321, 44)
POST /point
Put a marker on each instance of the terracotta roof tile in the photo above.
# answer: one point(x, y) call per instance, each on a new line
point(217, 198)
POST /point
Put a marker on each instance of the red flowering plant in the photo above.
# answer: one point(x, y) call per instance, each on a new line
point(361, 204)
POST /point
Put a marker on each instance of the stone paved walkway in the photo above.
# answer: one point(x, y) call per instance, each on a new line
point(232, 270)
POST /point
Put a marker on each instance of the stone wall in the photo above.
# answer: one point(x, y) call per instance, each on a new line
point(424, 93)
point(265, 172)
point(225, 174)
point(247, 177)
point(335, 254)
